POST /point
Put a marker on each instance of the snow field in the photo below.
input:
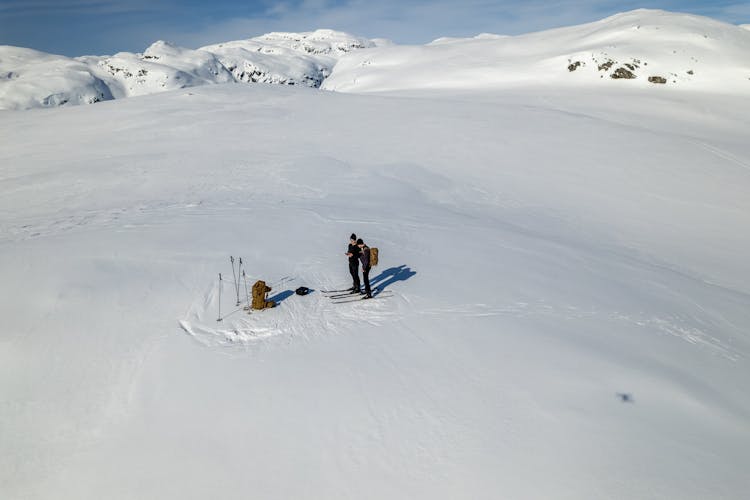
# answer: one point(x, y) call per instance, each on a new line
point(564, 248)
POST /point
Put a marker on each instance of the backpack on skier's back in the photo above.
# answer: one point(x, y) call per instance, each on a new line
point(373, 257)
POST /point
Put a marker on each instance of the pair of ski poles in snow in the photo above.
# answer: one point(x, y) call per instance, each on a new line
point(236, 276)
point(239, 273)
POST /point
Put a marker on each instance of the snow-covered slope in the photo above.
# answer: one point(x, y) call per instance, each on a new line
point(287, 58)
point(31, 79)
point(642, 48)
point(161, 67)
point(569, 314)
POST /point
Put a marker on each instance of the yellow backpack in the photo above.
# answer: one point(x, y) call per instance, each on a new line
point(373, 257)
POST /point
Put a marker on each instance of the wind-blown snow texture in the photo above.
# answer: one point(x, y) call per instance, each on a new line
point(569, 313)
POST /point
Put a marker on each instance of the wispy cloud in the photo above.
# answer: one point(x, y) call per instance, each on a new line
point(93, 7)
point(408, 21)
point(106, 25)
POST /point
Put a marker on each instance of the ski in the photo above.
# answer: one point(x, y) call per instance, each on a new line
point(336, 291)
point(382, 295)
point(359, 299)
point(340, 295)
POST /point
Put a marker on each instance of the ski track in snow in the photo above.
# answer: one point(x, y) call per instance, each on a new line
point(120, 218)
point(724, 155)
point(296, 317)
point(677, 327)
point(240, 330)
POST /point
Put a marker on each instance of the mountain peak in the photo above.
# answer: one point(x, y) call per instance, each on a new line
point(644, 48)
point(639, 48)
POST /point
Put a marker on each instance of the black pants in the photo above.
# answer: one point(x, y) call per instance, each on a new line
point(366, 278)
point(354, 271)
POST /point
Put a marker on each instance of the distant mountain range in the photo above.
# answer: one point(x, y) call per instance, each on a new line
point(641, 48)
point(29, 78)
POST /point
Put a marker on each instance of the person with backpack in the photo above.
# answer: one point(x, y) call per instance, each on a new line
point(364, 256)
point(354, 254)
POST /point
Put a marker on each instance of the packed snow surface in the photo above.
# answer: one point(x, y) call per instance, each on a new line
point(568, 313)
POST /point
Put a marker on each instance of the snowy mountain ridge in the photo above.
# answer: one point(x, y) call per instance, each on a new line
point(640, 48)
point(31, 79)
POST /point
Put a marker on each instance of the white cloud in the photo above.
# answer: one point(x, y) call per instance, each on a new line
point(405, 22)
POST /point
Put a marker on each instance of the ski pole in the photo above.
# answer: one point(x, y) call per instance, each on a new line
point(237, 285)
point(247, 295)
point(219, 298)
point(231, 259)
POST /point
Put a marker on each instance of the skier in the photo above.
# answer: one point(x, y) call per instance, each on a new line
point(354, 253)
point(260, 289)
point(364, 256)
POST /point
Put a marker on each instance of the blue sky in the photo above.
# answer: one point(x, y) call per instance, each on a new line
point(78, 27)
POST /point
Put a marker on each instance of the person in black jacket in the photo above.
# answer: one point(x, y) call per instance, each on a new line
point(364, 256)
point(353, 254)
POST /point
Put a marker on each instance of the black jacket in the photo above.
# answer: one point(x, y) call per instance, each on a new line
point(365, 257)
point(355, 251)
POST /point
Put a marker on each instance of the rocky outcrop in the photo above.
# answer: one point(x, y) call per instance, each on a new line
point(575, 65)
point(622, 73)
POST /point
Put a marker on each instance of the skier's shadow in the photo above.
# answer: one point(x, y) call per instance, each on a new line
point(281, 296)
point(391, 276)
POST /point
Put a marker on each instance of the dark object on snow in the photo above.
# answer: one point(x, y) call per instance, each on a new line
point(303, 290)
point(657, 79)
point(625, 398)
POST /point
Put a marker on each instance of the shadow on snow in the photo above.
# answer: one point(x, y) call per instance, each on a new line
point(378, 284)
point(390, 276)
point(281, 296)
